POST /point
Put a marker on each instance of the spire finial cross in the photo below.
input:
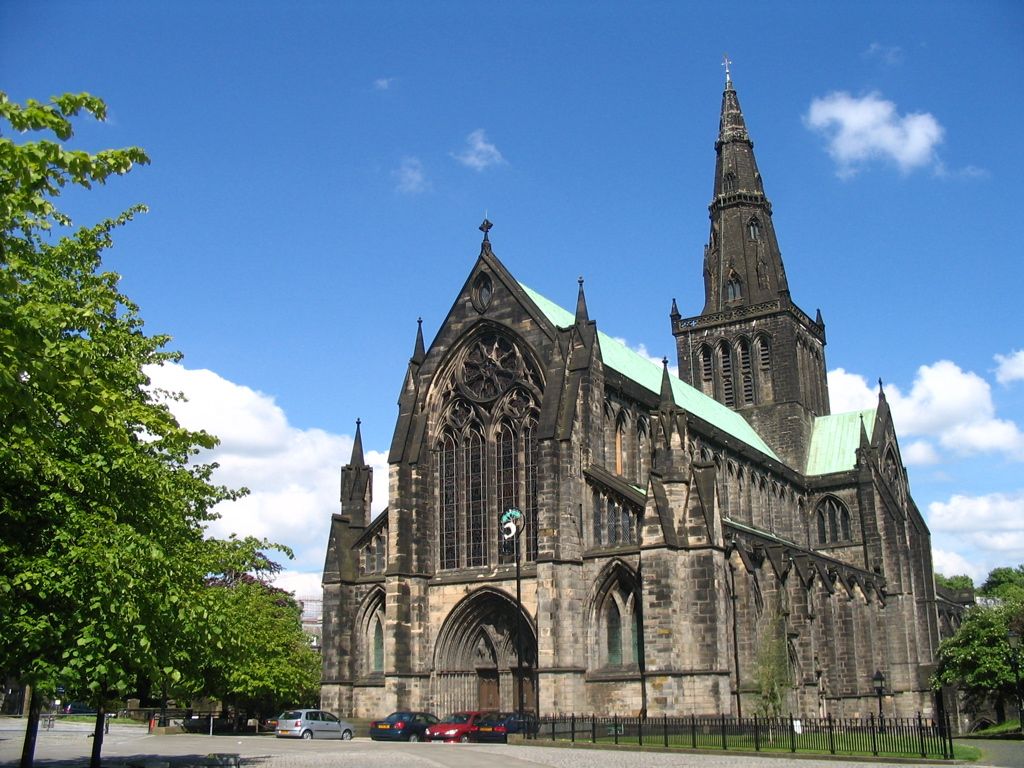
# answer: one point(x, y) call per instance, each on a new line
point(485, 227)
point(726, 61)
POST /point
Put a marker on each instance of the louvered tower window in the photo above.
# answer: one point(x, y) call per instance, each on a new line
point(746, 373)
point(725, 366)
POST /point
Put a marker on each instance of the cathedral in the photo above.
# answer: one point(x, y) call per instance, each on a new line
point(707, 538)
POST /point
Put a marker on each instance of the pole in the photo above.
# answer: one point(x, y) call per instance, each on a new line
point(641, 661)
point(519, 631)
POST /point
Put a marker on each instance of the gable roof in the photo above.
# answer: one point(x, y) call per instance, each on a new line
point(835, 439)
point(648, 373)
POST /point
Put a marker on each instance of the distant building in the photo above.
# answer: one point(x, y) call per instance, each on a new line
point(712, 541)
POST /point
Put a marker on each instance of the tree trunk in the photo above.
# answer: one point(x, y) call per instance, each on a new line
point(97, 736)
point(28, 747)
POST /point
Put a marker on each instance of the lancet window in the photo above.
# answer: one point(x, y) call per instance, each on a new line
point(733, 288)
point(617, 623)
point(373, 557)
point(833, 521)
point(485, 453)
point(614, 521)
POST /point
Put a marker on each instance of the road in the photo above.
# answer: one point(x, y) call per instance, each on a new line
point(131, 745)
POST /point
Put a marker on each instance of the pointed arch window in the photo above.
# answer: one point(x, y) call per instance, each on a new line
point(615, 523)
point(754, 228)
point(746, 373)
point(613, 634)
point(377, 664)
point(617, 631)
point(707, 367)
point(729, 182)
point(733, 288)
point(531, 505)
point(448, 503)
point(486, 453)
point(725, 367)
point(833, 520)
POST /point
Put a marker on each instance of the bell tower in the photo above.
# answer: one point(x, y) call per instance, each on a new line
point(751, 348)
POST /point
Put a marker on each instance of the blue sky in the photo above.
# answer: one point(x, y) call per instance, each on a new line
point(319, 171)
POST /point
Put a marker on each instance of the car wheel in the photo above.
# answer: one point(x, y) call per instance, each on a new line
point(465, 738)
point(307, 735)
point(346, 735)
point(414, 737)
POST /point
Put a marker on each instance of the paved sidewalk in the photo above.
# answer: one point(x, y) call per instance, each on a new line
point(127, 745)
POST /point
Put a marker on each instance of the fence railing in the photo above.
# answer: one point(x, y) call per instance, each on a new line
point(892, 736)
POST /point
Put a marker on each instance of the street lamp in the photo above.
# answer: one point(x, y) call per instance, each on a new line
point(879, 680)
point(1013, 638)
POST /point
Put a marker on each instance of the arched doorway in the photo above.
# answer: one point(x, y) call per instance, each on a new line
point(475, 657)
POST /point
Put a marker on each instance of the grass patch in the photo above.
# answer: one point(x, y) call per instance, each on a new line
point(965, 752)
point(1010, 726)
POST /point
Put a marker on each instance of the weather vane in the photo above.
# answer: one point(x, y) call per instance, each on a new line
point(725, 63)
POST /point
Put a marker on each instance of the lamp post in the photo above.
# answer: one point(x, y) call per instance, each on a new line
point(1013, 638)
point(879, 680)
point(512, 524)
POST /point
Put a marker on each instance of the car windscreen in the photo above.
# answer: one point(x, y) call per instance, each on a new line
point(398, 717)
point(457, 717)
point(293, 715)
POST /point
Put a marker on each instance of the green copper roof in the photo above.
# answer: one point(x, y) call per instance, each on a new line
point(835, 440)
point(647, 374)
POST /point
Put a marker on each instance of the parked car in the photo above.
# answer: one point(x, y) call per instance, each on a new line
point(458, 726)
point(402, 726)
point(312, 724)
point(496, 726)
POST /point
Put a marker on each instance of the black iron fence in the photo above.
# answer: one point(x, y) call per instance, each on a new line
point(891, 737)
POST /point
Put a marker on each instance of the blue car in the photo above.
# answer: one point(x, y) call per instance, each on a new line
point(402, 726)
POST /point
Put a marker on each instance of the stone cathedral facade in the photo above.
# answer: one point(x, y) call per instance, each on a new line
point(707, 539)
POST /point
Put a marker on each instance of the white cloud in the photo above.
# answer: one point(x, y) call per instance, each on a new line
point(946, 404)
point(641, 349)
point(920, 453)
point(867, 128)
point(479, 152)
point(299, 584)
point(992, 525)
point(849, 392)
point(292, 474)
point(383, 83)
point(412, 179)
point(887, 54)
point(952, 564)
point(1010, 367)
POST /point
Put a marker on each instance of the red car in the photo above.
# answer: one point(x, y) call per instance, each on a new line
point(459, 726)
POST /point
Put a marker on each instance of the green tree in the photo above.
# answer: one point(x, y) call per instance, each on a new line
point(103, 558)
point(1005, 583)
point(954, 583)
point(976, 658)
point(267, 660)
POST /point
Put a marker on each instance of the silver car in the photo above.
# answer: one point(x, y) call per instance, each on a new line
point(312, 724)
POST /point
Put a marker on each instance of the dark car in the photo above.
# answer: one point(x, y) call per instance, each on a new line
point(458, 726)
point(402, 726)
point(496, 726)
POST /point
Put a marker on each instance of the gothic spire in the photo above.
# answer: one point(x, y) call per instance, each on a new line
point(357, 448)
point(668, 398)
point(742, 262)
point(582, 317)
point(418, 353)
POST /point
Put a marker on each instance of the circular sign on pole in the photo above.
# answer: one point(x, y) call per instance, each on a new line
point(512, 523)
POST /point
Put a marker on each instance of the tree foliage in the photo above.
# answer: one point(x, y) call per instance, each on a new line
point(1005, 584)
point(954, 583)
point(978, 658)
point(103, 505)
point(268, 661)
